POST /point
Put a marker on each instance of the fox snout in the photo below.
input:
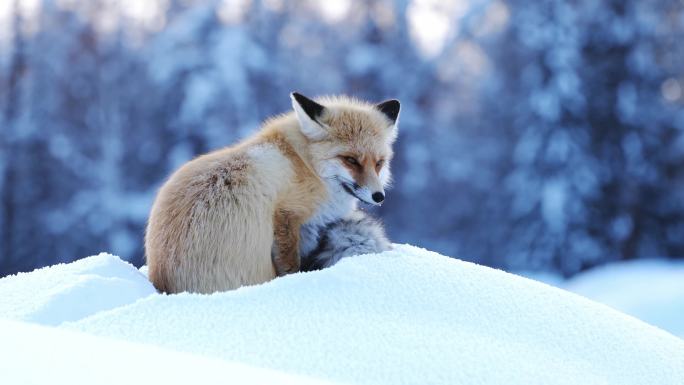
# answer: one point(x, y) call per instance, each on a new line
point(372, 196)
point(365, 194)
point(372, 190)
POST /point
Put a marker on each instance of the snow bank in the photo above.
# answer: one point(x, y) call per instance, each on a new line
point(32, 354)
point(651, 290)
point(403, 317)
point(68, 292)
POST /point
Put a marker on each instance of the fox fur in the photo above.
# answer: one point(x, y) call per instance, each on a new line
point(243, 215)
point(353, 235)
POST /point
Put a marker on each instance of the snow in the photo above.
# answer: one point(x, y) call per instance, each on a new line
point(33, 354)
point(649, 289)
point(400, 317)
point(68, 292)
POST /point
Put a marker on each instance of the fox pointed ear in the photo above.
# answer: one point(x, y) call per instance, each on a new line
point(390, 108)
point(308, 114)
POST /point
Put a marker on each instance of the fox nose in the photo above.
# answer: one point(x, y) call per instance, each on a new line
point(378, 197)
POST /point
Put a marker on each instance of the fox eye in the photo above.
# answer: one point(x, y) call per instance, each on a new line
point(380, 163)
point(351, 161)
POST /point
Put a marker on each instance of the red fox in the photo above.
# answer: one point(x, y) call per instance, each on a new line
point(244, 214)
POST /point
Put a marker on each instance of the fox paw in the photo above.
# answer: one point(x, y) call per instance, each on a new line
point(282, 267)
point(285, 270)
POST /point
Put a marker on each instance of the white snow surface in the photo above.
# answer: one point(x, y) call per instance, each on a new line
point(649, 289)
point(68, 292)
point(33, 354)
point(404, 316)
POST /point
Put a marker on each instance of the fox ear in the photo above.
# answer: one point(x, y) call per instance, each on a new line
point(308, 112)
point(390, 108)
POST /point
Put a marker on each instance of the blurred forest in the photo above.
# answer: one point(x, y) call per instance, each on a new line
point(536, 135)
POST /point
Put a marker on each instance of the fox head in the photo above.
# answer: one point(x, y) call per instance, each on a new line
point(350, 143)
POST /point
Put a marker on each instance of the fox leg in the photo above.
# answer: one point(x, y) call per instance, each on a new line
point(285, 252)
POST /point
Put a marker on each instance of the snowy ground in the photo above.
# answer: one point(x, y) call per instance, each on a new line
point(649, 289)
point(34, 354)
point(68, 292)
point(400, 317)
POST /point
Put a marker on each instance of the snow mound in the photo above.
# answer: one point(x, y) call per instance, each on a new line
point(651, 290)
point(33, 354)
point(69, 292)
point(403, 317)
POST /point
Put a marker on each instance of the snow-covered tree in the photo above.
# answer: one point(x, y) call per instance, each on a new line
point(534, 135)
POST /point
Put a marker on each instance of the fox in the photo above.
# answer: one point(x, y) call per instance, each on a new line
point(245, 214)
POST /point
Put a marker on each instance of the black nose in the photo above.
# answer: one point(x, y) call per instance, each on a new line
point(378, 197)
